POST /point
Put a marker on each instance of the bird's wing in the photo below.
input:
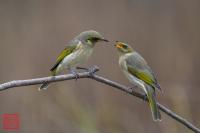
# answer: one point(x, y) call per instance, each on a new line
point(68, 50)
point(138, 67)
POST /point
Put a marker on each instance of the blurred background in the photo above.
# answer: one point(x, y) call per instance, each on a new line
point(165, 33)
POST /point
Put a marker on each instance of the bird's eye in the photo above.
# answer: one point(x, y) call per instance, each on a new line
point(89, 40)
point(125, 47)
point(95, 39)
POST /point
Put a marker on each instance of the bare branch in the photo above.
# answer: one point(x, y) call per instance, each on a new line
point(28, 82)
point(143, 97)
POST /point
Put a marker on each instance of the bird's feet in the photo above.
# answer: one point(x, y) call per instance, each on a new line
point(73, 71)
point(91, 70)
point(132, 88)
point(145, 98)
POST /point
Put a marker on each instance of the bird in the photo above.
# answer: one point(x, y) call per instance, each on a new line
point(75, 52)
point(139, 74)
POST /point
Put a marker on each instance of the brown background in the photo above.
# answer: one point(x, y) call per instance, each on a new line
point(166, 33)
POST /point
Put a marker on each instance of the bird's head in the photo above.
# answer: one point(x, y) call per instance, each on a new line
point(123, 48)
point(91, 37)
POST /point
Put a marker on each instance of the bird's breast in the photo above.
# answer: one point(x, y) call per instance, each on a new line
point(77, 57)
point(122, 62)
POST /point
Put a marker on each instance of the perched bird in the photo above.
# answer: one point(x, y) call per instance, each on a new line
point(140, 74)
point(77, 51)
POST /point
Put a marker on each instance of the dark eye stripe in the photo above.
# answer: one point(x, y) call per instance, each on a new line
point(95, 39)
point(124, 46)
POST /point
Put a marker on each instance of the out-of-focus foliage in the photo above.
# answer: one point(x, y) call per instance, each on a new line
point(166, 33)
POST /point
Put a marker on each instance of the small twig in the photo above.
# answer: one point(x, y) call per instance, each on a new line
point(28, 82)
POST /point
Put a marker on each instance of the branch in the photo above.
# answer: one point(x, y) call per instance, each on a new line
point(28, 82)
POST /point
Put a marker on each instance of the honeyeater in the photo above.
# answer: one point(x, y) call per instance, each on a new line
point(140, 74)
point(77, 51)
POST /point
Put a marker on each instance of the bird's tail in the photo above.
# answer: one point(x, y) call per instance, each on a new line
point(44, 86)
point(152, 103)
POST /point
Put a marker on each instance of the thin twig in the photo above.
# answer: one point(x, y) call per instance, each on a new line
point(28, 82)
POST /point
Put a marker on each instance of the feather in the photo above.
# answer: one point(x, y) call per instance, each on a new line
point(138, 67)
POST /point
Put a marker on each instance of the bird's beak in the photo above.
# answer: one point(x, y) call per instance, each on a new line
point(105, 40)
point(118, 44)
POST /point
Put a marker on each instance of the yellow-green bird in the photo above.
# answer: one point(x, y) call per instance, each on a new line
point(77, 51)
point(140, 74)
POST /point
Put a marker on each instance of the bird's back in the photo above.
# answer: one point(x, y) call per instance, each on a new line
point(136, 65)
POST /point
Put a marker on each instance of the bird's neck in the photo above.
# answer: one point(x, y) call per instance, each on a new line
point(121, 54)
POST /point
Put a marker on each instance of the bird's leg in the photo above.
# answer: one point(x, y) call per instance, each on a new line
point(132, 87)
point(145, 98)
point(82, 68)
point(73, 71)
point(91, 70)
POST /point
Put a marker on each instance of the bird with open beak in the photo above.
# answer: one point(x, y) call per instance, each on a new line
point(140, 74)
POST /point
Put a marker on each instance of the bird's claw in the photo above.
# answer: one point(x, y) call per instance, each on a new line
point(92, 70)
point(76, 76)
point(74, 73)
point(132, 88)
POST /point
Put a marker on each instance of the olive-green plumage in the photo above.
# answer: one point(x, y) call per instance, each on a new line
point(77, 51)
point(63, 54)
point(140, 74)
